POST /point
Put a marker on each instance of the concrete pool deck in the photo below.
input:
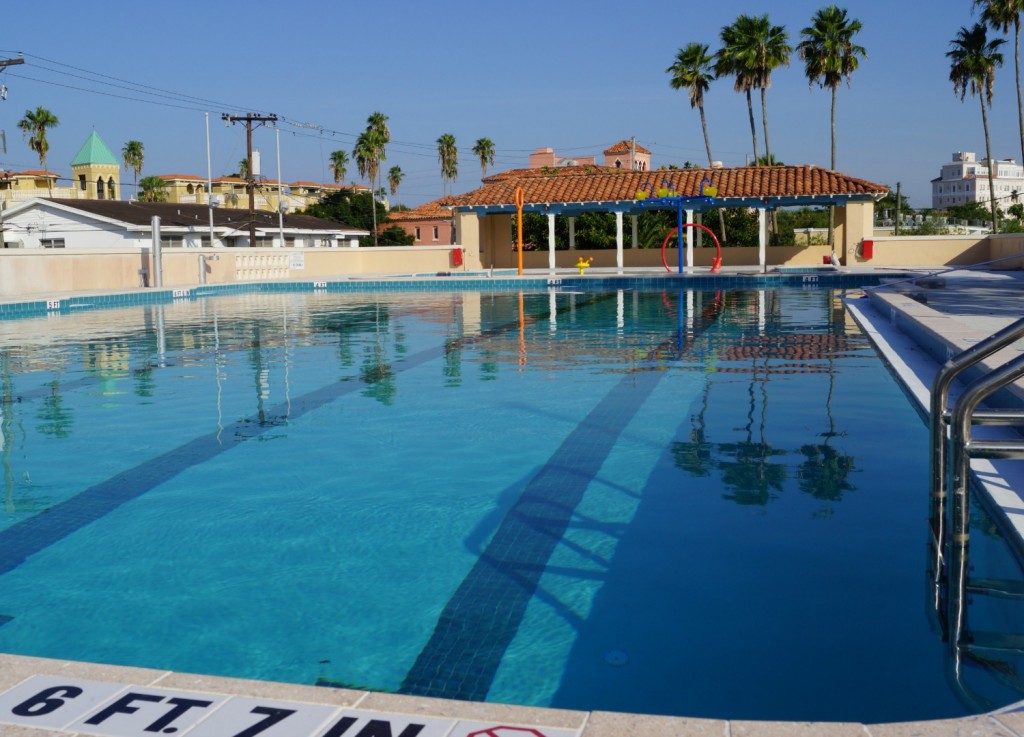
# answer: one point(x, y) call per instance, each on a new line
point(915, 326)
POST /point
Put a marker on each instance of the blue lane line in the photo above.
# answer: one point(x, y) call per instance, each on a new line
point(36, 533)
point(485, 612)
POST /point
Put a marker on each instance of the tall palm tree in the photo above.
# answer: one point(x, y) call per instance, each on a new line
point(830, 56)
point(133, 156)
point(378, 123)
point(448, 157)
point(367, 154)
point(395, 177)
point(1001, 15)
point(34, 126)
point(973, 61)
point(693, 71)
point(752, 48)
point(339, 165)
point(483, 149)
point(729, 63)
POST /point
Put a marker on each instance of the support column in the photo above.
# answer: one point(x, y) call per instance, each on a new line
point(551, 242)
point(572, 234)
point(633, 223)
point(762, 238)
point(618, 241)
point(689, 243)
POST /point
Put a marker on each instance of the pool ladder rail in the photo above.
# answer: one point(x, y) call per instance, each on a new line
point(953, 446)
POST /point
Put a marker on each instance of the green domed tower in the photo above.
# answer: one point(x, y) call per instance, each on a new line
point(96, 171)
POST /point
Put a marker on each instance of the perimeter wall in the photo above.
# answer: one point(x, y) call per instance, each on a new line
point(39, 271)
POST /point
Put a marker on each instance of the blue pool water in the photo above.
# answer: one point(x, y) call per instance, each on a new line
point(698, 503)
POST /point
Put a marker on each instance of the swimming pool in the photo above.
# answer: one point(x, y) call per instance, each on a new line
point(682, 502)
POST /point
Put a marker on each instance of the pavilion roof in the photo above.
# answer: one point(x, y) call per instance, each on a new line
point(578, 189)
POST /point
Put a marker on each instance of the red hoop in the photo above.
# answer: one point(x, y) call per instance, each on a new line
point(716, 262)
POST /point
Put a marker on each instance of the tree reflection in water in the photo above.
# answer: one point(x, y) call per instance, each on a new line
point(746, 468)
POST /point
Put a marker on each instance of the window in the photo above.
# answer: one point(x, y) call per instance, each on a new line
point(52, 242)
point(435, 232)
point(81, 182)
point(417, 232)
point(110, 188)
point(99, 188)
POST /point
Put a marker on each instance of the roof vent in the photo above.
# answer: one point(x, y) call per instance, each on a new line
point(716, 164)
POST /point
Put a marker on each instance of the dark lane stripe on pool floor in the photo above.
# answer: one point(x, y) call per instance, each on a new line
point(48, 527)
point(480, 620)
point(483, 615)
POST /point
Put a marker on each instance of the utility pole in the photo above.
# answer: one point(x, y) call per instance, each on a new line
point(250, 179)
point(4, 63)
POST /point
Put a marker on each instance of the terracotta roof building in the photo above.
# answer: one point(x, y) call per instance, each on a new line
point(432, 223)
point(570, 191)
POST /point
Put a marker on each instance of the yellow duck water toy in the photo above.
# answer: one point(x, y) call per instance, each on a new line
point(583, 264)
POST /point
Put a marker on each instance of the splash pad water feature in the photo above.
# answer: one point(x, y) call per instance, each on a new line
point(665, 198)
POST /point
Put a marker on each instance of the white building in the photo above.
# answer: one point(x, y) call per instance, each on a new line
point(965, 180)
point(64, 223)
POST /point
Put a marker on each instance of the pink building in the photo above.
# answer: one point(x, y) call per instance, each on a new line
point(616, 156)
point(430, 224)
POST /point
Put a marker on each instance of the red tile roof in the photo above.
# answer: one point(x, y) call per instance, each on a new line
point(436, 210)
point(623, 147)
point(574, 185)
point(35, 173)
point(548, 171)
point(189, 177)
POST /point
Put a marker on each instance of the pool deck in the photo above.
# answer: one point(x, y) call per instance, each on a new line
point(915, 325)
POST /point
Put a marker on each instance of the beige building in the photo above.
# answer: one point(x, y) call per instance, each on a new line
point(230, 191)
point(96, 175)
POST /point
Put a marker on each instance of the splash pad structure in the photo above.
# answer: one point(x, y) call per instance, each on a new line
point(665, 198)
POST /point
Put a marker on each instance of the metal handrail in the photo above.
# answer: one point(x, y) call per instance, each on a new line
point(939, 416)
point(963, 449)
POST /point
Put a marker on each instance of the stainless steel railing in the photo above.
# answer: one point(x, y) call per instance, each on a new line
point(953, 445)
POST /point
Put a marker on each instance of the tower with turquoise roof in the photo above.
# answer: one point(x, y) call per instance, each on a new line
point(96, 171)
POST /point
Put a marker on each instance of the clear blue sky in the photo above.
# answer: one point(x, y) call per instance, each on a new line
point(576, 75)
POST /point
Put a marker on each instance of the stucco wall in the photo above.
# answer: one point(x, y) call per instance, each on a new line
point(42, 272)
point(946, 250)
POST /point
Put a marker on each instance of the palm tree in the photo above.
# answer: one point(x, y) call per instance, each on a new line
point(448, 157)
point(729, 63)
point(367, 154)
point(378, 123)
point(133, 156)
point(152, 189)
point(693, 71)
point(338, 163)
point(243, 169)
point(395, 177)
point(752, 49)
point(973, 62)
point(34, 126)
point(484, 150)
point(374, 139)
point(1001, 15)
point(830, 56)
